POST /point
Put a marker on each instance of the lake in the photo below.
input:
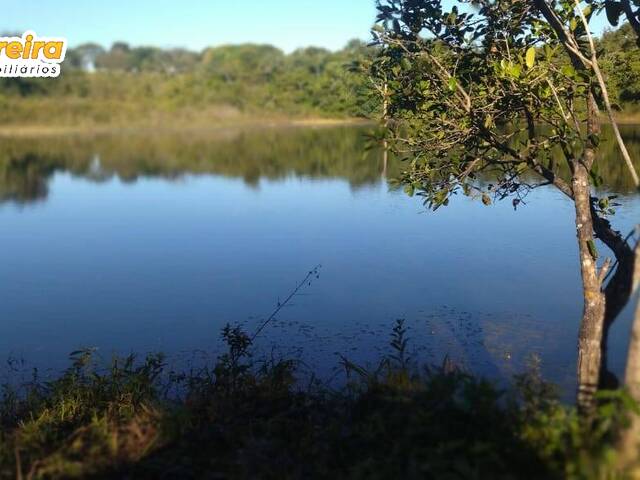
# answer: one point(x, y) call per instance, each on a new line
point(154, 242)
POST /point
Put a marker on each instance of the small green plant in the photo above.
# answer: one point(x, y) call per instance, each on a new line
point(399, 342)
point(233, 366)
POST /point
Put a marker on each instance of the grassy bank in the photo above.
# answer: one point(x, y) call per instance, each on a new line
point(629, 116)
point(203, 124)
point(249, 418)
point(45, 116)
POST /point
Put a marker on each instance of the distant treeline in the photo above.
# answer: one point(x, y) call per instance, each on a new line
point(243, 78)
point(620, 58)
point(123, 82)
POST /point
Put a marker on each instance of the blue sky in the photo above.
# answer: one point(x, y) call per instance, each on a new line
point(195, 24)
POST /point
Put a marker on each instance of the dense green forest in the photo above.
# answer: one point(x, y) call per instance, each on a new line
point(131, 82)
point(124, 83)
point(621, 63)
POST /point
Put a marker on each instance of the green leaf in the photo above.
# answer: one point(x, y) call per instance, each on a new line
point(515, 70)
point(603, 203)
point(568, 70)
point(453, 83)
point(408, 189)
point(531, 57)
point(592, 249)
point(573, 24)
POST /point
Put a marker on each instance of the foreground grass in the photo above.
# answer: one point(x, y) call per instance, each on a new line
point(242, 418)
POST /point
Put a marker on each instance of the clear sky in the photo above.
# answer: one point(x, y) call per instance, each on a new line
point(195, 24)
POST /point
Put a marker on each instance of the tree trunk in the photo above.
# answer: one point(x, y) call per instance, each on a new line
point(592, 326)
point(629, 442)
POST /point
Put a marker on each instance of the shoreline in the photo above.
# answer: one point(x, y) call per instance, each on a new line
point(622, 119)
point(36, 130)
point(202, 126)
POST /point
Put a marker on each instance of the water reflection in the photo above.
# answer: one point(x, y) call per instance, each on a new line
point(26, 165)
point(273, 154)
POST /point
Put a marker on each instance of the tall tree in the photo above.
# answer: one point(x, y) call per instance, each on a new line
point(484, 95)
point(629, 440)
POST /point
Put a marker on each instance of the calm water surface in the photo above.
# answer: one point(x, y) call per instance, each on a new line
point(134, 243)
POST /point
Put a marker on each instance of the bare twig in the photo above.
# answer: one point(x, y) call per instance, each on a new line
point(604, 271)
point(312, 273)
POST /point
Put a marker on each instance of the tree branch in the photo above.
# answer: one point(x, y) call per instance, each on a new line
point(631, 17)
point(578, 60)
point(605, 99)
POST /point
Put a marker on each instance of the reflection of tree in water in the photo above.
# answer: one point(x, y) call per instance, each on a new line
point(23, 178)
point(252, 155)
point(272, 154)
